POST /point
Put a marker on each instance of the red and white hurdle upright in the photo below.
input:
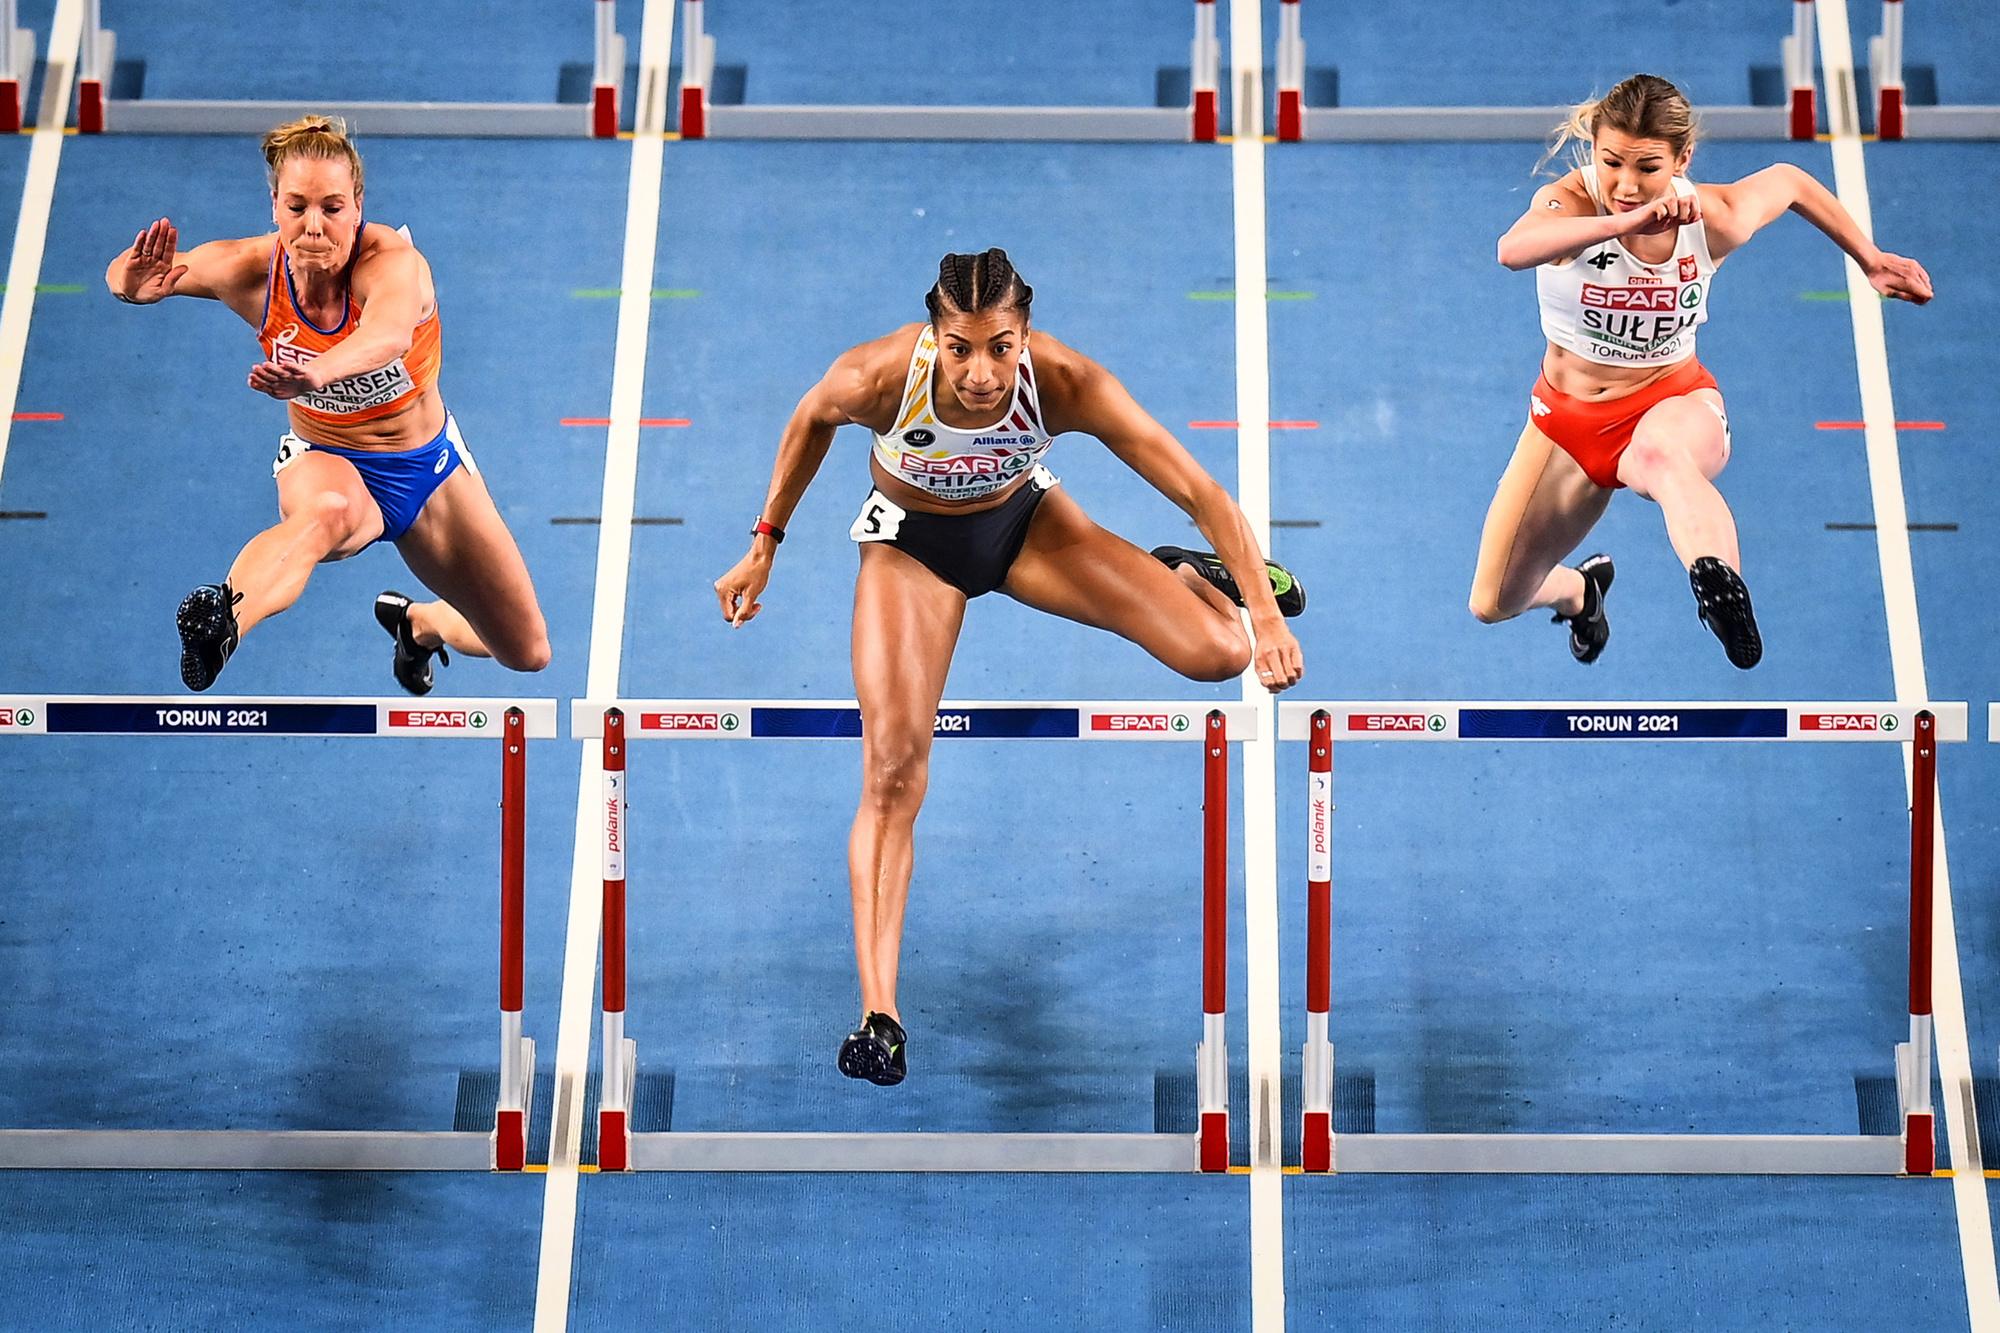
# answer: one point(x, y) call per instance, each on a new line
point(97, 112)
point(621, 1147)
point(1912, 1150)
point(700, 118)
point(1426, 124)
point(503, 1148)
point(17, 68)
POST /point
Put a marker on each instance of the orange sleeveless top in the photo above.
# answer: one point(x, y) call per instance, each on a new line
point(289, 338)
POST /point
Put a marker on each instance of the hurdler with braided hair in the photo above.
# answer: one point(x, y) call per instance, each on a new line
point(1624, 249)
point(962, 414)
point(347, 316)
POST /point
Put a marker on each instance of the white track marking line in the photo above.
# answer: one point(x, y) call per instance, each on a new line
point(607, 639)
point(1906, 654)
point(31, 232)
point(1260, 781)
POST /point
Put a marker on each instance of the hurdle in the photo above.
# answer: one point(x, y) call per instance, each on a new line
point(620, 1148)
point(700, 118)
point(503, 1148)
point(97, 111)
point(1797, 119)
point(1910, 1151)
point(17, 68)
point(1894, 118)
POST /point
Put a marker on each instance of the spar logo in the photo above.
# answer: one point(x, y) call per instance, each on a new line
point(1363, 723)
point(1138, 722)
point(1848, 722)
point(17, 717)
point(1644, 299)
point(694, 722)
point(435, 719)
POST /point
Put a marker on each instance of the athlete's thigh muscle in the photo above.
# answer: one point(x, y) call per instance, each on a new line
point(906, 624)
point(461, 548)
point(1543, 507)
point(1075, 569)
point(328, 487)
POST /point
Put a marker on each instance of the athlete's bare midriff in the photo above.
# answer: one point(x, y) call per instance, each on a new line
point(412, 428)
point(1580, 377)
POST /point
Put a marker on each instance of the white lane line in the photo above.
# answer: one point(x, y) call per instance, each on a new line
point(31, 232)
point(607, 640)
point(1906, 655)
point(1260, 793)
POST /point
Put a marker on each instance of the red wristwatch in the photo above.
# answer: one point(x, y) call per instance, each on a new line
point(771, 530)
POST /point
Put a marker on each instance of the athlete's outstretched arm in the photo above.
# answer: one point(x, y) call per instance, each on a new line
point(1097, 404)
point(1562, 223)
point(156, 268)
point(845, 394)
point(1739, 211)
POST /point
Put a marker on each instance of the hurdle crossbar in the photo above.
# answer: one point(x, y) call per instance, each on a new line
point(702, 119)
point(1427, 124)
point(504, 1147)
point(1322, 724)
point(97, 112)
point(620, 1148)
point(17, 69)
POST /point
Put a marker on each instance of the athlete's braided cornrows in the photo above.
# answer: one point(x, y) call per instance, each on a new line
point(974, 284)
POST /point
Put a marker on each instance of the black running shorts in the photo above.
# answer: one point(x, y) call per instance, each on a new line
point(971, 552)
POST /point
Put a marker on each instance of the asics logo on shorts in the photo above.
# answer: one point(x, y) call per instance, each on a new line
point(444, 457)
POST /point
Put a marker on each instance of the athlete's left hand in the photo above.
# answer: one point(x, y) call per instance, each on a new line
point(281, 382)
point(1276, 657)
point(1904, 279)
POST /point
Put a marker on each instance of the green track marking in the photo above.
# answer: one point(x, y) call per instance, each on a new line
point(54, 288)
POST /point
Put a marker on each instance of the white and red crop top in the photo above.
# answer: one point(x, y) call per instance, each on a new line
point(1608, 306)
point(954, 464)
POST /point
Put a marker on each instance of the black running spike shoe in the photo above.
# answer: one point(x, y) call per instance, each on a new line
point(1723, 604)
point(207, 624)
point(1290, 593)
point(413, 660)
point(1589, 631)
point(876, 1051)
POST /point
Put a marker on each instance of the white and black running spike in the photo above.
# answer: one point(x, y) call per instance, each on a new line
point(1723, 604)
point(412, 665)
point(207, 624)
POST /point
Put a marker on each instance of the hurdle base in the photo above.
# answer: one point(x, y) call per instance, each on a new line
point(20, 71)
point(1621, 1154)
point(510, 1116)
point(455, 120)
point(1427, 124)
point(243, 1150)
point(1083, 124)
point(830, 1152)
point(614, 1120)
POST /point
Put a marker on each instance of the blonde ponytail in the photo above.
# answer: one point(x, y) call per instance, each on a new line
point(317, 136)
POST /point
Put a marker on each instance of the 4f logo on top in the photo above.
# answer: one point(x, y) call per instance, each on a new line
point(1602, 260)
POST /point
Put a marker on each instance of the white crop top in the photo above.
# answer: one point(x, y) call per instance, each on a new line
point(954, 464)
point(1608, 306)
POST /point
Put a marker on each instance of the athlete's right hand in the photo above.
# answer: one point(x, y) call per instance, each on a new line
point(1666, 214)
point(150, 273)
point(738, 589)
